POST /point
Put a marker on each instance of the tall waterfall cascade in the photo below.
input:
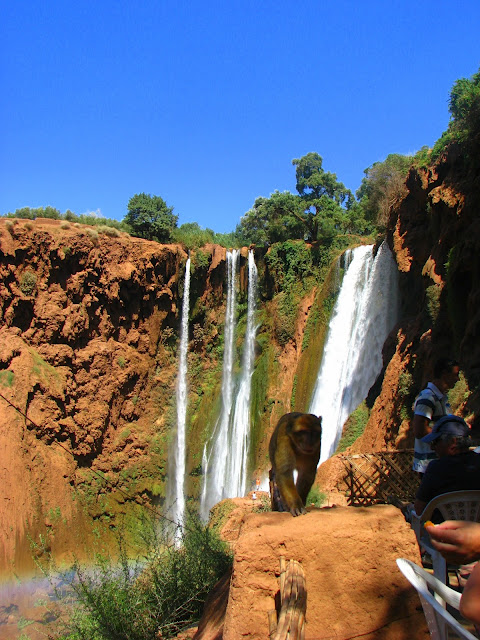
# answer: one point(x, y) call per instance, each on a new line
point(236, 473)
point(225, 457)
point(177, 493)
point(365, 312)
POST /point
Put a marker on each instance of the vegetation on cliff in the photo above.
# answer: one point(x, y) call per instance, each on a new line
point(464, 125)
point(145, 589)
point(322, 209)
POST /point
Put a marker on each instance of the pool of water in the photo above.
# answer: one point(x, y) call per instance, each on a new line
point(29, 607)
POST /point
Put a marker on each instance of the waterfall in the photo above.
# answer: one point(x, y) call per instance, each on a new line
point(225, 468)
point(177, 506)
point(365, 312)
point(215, 464)
point(236, 473)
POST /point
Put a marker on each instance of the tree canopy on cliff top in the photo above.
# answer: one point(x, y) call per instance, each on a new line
point(149, 217)
point(464, 125)
point(323, 208)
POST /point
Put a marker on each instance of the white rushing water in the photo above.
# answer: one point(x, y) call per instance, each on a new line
point(236, 471)
point(214, 463)
point(365, 312)
point(225, 467)
point(177, 509)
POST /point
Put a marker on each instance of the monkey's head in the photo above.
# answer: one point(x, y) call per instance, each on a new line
point(306, 433)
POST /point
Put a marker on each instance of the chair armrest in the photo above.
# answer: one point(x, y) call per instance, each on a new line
point(417, 526)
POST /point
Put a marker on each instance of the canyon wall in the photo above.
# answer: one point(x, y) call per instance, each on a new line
point(89, 324)
point(88, 335)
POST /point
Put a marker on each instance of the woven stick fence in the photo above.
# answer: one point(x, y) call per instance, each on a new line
point(293, 598)
point(374, 478)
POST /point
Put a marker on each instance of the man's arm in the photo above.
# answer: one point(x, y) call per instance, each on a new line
point(420, 426)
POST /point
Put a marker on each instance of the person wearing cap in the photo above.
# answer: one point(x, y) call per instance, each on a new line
point(456, 467)
point(430, 405)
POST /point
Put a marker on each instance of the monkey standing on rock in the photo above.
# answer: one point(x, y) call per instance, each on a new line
point(295, 444)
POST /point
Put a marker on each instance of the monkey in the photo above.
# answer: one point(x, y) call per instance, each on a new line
point(295, 444)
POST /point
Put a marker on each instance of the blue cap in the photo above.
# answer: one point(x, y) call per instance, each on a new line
point(453, 425)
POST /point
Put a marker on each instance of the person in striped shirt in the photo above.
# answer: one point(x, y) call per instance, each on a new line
point(430, 405)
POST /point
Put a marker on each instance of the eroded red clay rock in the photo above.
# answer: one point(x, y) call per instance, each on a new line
point(354, 588)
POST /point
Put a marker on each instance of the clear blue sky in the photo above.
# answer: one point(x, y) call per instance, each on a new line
point(207, 103)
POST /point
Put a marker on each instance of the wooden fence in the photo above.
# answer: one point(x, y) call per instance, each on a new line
point(373, 478)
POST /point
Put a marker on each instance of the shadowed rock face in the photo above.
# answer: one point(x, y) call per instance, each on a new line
point(435, 236)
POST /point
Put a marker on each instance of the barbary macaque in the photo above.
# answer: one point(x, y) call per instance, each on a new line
point(294, 445)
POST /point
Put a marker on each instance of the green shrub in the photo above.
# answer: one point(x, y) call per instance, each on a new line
point(6, 378)
point(316, 497)
point(354, 427)
point(263, 504)
point(459, 394)
point(28, 282)
point(285, 317)
point(93, 234)
point(192, 235)
point(405, 384)
point(201, 260)
point(433, 293)
point(289, 263)
point(157, 596)
point(112, 232)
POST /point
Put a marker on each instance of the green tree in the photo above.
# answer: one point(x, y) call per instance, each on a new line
point(464, 125)
point(313, 181)
point(271, 220)
point(149, 217)
point(464, 106)
point(383, 187)
point(324, 198)
point(192, 235)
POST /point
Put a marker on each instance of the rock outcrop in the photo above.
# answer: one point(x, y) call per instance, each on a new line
point(88, 327)
point(348, 554)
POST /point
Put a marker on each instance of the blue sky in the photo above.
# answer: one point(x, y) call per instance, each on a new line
point(207, 103)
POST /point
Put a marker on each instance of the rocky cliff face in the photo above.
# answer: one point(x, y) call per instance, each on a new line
point(89, 326)
point(87, 370)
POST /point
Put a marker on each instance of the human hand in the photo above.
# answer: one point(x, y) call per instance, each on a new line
point(457, 540)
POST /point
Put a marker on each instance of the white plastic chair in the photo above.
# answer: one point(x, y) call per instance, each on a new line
point(439, 620)
point(456, 505)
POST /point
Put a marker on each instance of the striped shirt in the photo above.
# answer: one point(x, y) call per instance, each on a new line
point(431, 403)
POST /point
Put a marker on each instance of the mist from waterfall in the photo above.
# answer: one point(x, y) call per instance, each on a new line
point(225, 464)
point(176, 508)
point(365, 312)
